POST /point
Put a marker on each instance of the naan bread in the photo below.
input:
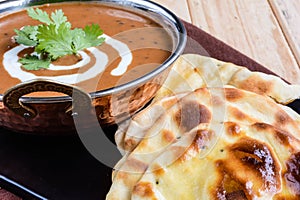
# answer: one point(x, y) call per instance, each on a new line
point(208, 108)
point(258, 106)
point(257, 161)
point(193, 71)
point(219, 130)
point(132, 131)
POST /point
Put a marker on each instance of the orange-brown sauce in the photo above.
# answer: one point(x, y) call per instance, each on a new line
point(150, 47)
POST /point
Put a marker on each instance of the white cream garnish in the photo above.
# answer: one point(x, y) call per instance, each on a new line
point(124, 52)
point(85, 60)
point(13, 67)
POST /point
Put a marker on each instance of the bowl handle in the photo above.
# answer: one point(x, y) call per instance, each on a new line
point(11, 98)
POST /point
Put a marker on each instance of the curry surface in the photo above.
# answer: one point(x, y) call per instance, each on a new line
point(149, 43)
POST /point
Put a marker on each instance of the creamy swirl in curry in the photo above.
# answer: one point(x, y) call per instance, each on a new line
point(135, 45)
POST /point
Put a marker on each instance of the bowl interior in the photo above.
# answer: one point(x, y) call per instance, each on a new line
point(159, 14)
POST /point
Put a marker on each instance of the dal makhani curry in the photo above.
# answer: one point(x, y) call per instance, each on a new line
point(134, 45)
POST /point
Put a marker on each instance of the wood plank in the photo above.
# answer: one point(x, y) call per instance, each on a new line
point(288, 15)
point(179, 7)
point(250, 27)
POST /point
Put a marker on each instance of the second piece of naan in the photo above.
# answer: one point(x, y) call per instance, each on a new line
point(192, 71)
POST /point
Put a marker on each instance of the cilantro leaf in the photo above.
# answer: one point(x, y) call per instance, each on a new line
point(54, 38)
point(57, 42)
point(78, 39)
point(59, 18)
point(26, 36)
point(39, 15)
point(32, 62)
point(88, 37)
point(92, 34)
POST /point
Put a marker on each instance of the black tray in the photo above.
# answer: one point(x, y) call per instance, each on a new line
point(34, 167)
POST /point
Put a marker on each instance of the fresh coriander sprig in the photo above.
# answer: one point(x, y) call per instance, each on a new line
point(54, 38)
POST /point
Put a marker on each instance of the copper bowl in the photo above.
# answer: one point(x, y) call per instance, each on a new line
point(55, 115)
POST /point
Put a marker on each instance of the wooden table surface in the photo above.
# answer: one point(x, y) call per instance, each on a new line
point(267, 31)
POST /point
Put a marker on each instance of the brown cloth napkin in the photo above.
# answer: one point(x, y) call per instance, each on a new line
point(76, 171)
point(202, 43)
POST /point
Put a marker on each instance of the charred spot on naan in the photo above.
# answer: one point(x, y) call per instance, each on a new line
point(135, 165)
point(236, 195)
point(283, 137)
point(122, 175)
point(228, 186)
point(259, 160)
point(125, 177)
point(129, 144)
point(179, 153)
point(282, 118)
point(233, 129)
point(256, 84)
point(191, 114)
point(217, 100)
point(168, 136)
point(199, 143)
point(232, 94)
point(158, 170)
point(200, 140)
point(240, 115)
point(249, 170)
point(292, 175)
point(143, 189)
